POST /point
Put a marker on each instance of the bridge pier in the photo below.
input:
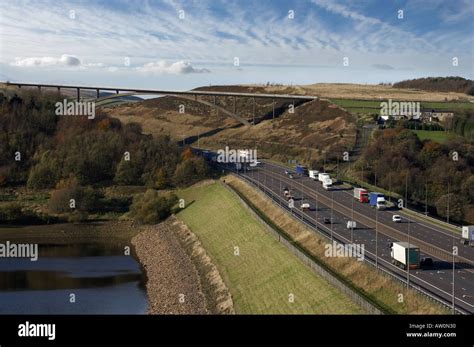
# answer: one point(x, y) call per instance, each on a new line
point(98, 93)
point(78, 94)
point(253, 111)
point(59, 90)
point(273, 102)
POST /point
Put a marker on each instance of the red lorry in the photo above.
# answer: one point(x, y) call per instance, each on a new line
point(361, 194)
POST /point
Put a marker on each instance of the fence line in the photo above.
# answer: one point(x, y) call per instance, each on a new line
point(428, 294)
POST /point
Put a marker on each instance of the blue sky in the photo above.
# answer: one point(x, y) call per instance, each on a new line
point(184, 44)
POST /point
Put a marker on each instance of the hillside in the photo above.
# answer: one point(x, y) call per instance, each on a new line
point(439, 84)
point(314, 128)
point(377, 92)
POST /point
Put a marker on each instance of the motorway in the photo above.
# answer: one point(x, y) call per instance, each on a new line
point(434, 241)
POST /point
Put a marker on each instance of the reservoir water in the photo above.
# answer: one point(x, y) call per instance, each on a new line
point(71, 277)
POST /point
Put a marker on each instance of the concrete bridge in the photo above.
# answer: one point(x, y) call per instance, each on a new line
point(187, 95)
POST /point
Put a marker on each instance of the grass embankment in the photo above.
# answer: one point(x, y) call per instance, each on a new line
point(265, 275)
point(378, 287)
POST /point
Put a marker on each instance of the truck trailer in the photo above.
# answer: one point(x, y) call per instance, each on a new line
point(361, 194)
point(404, 254)
point(468, 235)
point(377, 200)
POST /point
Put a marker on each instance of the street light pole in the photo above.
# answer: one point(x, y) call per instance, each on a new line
point(352, 221)
point(390, 187)
point(302, 200)
point(454, 298)
point(332, 208)
point(376, 237)
point(316, 210)
point(408, 256)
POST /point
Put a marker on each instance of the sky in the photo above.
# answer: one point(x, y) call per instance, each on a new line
point(179, 45)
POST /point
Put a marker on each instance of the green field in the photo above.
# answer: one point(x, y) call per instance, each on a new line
point(373, 106)
point(263, 276)
point(437, 136)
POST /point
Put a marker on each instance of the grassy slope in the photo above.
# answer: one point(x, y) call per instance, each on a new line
point(262, 276)
point(382, 288)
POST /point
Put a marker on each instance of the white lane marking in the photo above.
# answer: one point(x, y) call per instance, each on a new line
point(432, 244)
point(409, 218)
point(393, 266)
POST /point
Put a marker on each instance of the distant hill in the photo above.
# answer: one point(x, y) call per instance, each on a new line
point(439, 84)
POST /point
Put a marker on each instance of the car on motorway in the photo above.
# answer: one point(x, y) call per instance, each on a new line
point(287, 172)
point(426, 262)
point(326, 220)
point(254, 163)
point(396, 218)
point(290, 176)
point(305, 206)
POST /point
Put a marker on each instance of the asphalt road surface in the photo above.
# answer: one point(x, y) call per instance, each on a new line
point(434, 241)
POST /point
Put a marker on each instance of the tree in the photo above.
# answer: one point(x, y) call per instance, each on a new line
point(151, 207)
point(468, 188)
point(187, 153)
point(190, 171)
point(42, 176)
point(161, 179)
point(86, 199)
point(456, 207)
point(129, 172)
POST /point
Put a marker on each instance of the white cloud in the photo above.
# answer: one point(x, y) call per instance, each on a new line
point(154, 31)
point(164, 67)
point(64, 60)
point(382, 66)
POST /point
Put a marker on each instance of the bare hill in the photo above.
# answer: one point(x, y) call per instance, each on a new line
point(315, 129)
point(372, 92)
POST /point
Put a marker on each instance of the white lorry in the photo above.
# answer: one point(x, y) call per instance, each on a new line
point(323, 176)
point(404, 254)
point(327, 183)
point(468, 235)
point(313, 174)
